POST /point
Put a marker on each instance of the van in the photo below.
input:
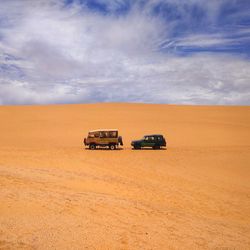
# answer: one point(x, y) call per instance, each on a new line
point(103, 138)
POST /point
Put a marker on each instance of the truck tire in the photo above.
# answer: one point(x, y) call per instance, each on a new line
point(112, 146)
point(92, 146)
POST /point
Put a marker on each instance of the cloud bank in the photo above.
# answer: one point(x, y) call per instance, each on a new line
point(124, 51)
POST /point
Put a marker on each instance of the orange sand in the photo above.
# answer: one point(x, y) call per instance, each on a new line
point(54, 194)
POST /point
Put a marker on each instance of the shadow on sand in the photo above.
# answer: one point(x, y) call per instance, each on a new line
point(119, 149)
point(104, 149)
point(151, 149)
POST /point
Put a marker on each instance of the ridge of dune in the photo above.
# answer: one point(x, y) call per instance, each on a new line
point(55, 194)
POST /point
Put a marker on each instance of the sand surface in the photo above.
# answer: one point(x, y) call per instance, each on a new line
point(54, 194)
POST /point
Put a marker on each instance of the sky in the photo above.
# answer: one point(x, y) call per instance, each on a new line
point(151, 51)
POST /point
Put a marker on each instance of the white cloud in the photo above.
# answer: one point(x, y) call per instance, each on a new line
point(68, 54)
point(205, 40)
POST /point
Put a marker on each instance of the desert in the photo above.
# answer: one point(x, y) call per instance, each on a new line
point(55, 194)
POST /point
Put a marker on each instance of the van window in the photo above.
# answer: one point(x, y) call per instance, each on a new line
point(113, 134)
point(91, 135)
point(106, 134)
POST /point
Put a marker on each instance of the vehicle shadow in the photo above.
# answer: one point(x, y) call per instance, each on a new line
point(104, 149)
point(151, 149)
point(121, 149)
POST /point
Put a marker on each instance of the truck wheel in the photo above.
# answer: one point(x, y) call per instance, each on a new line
point(112, 147)
point(92, 146)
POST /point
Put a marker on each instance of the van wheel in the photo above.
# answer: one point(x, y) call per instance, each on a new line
point(92, 146)
point(156, 147)
point(112, 147)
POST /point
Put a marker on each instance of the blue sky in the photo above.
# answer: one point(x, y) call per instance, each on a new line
point(152, 51)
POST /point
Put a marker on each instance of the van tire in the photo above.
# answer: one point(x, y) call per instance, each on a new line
point(112, 146)
point(92, 146)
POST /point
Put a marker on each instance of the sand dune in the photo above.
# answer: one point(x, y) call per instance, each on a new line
point(54, 194)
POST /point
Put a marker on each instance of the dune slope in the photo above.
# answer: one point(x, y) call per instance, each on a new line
point(55, 194)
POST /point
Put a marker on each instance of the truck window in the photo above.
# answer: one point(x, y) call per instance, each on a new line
point(113, 134)
point(91, 135)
